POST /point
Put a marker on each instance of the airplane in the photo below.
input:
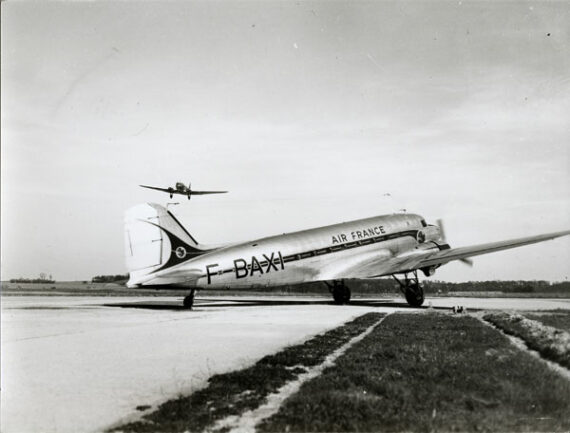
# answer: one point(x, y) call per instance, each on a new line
point(180, 188)
point(161, 253)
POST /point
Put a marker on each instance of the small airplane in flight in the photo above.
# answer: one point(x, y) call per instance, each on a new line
point(182, 189)
point(161, 253)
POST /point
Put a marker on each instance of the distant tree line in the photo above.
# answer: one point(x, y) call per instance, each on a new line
point(520, 286)
point(110, 278)
point(388, 285)
point(32, 280)
point(43, 279)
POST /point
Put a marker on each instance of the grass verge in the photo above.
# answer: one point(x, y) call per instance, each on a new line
point(551, 343)
point(238, 391)
point(429, 372)
point(559, 319)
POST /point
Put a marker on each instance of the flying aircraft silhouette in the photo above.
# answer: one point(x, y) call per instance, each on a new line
point(182, 189)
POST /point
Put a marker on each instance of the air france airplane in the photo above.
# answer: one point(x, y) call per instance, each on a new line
point(161, 253)
point(182, 189)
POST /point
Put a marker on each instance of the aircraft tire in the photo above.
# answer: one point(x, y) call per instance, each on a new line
point(415, 297)
point(341, 295)
point(189, 300)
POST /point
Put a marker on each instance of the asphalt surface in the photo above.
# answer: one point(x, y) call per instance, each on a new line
point(75, 364)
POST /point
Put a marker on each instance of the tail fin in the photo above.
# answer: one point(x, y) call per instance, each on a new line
point(155, 240)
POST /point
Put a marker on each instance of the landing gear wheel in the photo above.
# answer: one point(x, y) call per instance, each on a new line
point(342, 296)
point(414, 295)
point(412, 290)
point(189, 300)
point(341, 293)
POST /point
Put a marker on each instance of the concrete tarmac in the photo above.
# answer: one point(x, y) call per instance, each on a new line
point(81, 364)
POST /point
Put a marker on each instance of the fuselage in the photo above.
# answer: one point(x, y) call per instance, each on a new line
point(181, 188)
point(304, 256)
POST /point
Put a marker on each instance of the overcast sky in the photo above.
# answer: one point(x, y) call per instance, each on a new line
point(307, 112)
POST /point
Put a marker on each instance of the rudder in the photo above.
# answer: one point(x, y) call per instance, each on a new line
point(155, 240)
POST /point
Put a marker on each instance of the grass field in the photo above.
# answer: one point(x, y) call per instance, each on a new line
point(551, 343)
point(424, 371)
point(87, 288)
point(236, 392)
point(430, 372)
point(78, 288)
point(556, 319)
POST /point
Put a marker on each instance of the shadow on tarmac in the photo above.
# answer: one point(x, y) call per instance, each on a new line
point(203, 303)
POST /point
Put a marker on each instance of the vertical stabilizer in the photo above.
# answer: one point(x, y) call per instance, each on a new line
point(155, 240)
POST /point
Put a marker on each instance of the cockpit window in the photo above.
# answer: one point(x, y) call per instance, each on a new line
point(424, 224)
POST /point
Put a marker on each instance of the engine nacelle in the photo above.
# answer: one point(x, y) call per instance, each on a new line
point(429, 270)
point(427, 246)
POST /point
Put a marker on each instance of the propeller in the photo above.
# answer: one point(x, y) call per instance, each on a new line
point(439, 223)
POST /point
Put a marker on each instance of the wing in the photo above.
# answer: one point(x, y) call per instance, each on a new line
point(207, 192)
point(158, 189)
point(380, 263)
point(445, 256)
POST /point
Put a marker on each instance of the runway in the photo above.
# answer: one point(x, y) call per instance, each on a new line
point(84, 363)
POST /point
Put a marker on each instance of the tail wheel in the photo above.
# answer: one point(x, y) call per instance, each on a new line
point(189, 300)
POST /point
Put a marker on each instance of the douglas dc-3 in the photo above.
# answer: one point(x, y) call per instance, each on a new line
point(180, 188)
point(161, 253)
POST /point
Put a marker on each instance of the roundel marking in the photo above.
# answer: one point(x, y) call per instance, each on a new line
point(180, 252)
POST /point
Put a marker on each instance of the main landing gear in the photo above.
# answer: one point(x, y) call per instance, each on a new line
point(339, 291)
point(189, 300)
point(411, 289)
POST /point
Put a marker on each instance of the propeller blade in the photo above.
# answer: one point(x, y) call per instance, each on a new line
point(439, 223)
